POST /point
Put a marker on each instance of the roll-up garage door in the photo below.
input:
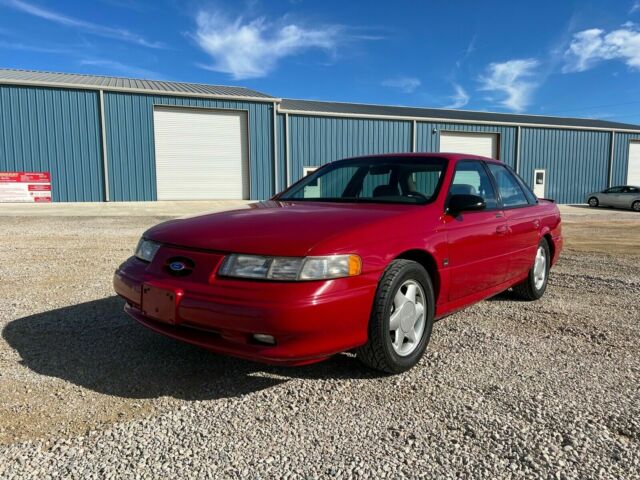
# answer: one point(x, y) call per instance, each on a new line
point(633, 172)
point(201, 154)
point(484, 144)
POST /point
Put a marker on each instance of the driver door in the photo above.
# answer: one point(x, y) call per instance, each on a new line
point(478, 241)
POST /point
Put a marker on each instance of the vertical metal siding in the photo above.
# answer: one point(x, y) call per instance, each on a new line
point(54, 130)
point(315, 141)
point(429, 141)
point(576, 161)
point(621, 157)
point(282, 151)
point(131, 149)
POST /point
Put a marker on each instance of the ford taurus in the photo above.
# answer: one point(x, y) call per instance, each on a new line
point(363, 254)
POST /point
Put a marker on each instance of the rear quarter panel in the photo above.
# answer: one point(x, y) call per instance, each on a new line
point(551, 227)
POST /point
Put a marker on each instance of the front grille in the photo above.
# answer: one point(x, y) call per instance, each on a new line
point(186, 266)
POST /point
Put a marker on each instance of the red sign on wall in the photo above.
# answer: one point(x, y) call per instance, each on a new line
point(25, 187)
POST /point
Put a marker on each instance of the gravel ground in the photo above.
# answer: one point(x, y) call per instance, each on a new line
point(507, 388)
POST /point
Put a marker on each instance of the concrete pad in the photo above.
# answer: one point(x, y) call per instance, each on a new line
point(584, 212)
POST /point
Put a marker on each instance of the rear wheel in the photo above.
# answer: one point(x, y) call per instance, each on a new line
point(536, 282)
point(635, 206)
point(401, 318)
point(593, 202)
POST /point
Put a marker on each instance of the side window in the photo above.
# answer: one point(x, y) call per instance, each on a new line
point(471, 179)
point(509, 188)
point(614, 190)
point(531, 197)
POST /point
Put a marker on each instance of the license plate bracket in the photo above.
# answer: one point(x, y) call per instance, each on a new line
point(161, 303)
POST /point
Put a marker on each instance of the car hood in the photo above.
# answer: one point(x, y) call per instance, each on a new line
point(275, 227)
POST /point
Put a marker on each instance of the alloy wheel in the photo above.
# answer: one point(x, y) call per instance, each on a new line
point(407, 321)
point(540, 268)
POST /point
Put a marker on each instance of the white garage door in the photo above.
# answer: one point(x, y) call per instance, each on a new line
point(201, 154)
point(633, 172)
point(484, 144)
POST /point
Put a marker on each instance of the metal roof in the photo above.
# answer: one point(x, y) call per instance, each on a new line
point(441, 115)
point(98, 82)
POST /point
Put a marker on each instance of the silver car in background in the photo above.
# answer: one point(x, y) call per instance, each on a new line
point(625, 196)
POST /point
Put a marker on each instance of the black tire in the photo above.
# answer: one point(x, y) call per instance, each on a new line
point(378, 353)
point(527, 289)
point(593, 202)
point(635, 206)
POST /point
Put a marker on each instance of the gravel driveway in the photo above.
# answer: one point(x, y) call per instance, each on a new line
point(507, 388)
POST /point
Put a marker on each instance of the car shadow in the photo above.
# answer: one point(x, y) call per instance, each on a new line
point(587, 207)
point(95, 345)
point(506, 296)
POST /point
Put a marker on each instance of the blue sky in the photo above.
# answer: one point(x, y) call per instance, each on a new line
point(573, 58)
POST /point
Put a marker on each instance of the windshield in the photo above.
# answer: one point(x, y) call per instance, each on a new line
point(388, 180)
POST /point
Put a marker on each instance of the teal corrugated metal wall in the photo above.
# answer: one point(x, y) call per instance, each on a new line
point(576, 161)
point(281, 151)
point(58, 130)
point(53, 130)
point(314, 141)
point(131, 150)
point(621, 157)
point(428, 140)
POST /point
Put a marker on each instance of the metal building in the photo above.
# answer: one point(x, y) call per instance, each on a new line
point(119, 139)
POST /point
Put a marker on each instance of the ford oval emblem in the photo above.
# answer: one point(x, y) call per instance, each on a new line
point(177, 266)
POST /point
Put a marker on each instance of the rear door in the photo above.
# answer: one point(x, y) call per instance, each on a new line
point(611, 197)
point(522, 219)
point(628, 195)
point(478, 245)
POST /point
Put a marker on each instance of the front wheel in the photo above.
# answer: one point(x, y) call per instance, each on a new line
point(635, 206)
point(593, 202)
point(534, 286)
point(401, 319)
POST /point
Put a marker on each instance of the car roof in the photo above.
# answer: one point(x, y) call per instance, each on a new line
point(446, 155)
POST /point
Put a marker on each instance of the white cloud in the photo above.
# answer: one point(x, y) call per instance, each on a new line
point(514, 80)
point(10, 45)
point(88, 27)
point(460, 98)
point(590, 47)
point(635, 7)
point(404, 84)
point(252, 48)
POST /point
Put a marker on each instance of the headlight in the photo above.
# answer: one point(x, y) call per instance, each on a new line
point(290, 268)
point(146, 249)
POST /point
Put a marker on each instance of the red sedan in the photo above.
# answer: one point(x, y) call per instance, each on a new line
point(363, 254)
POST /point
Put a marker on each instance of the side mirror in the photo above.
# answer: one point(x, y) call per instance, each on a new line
point(465, 203)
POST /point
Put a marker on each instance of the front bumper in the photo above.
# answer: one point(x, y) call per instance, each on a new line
point(309, 320)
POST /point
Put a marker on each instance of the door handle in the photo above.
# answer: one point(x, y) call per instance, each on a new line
point(536, 224)
point(502, 230)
